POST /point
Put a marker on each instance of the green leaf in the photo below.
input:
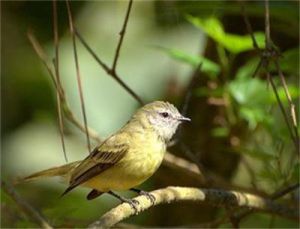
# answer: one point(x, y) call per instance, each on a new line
point(232, 42)
point(248, 69)
point(207, 65)
point(252, 97)
point(254, 116)
point(293, 90)
point(250, 91)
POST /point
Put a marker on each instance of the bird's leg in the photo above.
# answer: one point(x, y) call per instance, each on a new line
point(132, 203)
point(147, 194)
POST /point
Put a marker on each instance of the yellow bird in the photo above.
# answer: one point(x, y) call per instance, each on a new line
point(125, 159)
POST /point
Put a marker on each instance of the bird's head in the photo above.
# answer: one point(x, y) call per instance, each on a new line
point(162, 117)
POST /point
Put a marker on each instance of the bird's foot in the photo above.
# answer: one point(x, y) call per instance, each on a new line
point(132, 203)
point(149, 196)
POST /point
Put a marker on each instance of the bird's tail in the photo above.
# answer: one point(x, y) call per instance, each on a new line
point(61, 171)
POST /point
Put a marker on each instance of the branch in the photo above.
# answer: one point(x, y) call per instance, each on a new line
point(285, 191)
point(57, 75)
point(210, 196)
point(122, 34)
point(292, 105)
point(238, 216)
point(71, 25)
point(175, 162)
point(267, 26)
point(24, 206)
point(108, 70)
point(112, 71)
point(285, 116)
point(248, 25)
point(268, 55)
point(65, 105)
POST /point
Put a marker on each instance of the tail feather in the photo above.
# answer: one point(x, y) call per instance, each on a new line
point(62, 171)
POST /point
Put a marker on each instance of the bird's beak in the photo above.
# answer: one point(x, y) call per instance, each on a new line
point(183, 119)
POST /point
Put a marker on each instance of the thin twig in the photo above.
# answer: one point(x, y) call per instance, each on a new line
point(284, 191)
point(248, 25)
point(276, 195)
point(41, 54)
point(269, 47)
point(56, 67)
point(184, 108)
point(268, 54)
point(260, 63)
point(291, 104)
point(267, 26)
point(122, 34)
point(66, 108)
point(32, 213)
point(210, 196)
point(109, 71)
point(285, 116)
point(78, 74)
point(188, 94)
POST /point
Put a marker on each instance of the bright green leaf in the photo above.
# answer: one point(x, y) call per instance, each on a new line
point(247, 70)
point(254, 116)
point(293, 90)
point(207, 65)
point(232, 42)
point(250, 91)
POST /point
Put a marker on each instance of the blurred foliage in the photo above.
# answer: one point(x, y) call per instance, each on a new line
point(250, 118)
point(252, 100)
point(232, 42)
point(206, 64)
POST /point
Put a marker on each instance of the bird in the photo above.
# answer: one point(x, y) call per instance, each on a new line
point(125, 159)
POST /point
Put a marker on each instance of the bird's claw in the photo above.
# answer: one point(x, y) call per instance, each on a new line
point(149, 196)
point(133, 204)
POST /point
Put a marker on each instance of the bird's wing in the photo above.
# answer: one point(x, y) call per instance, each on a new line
point(103, 157)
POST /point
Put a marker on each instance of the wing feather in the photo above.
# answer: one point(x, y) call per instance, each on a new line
point(101, 158)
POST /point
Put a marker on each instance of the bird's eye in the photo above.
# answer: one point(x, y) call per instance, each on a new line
point(164, 114)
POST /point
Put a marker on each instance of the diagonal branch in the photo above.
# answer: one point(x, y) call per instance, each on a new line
point(291, 104)
point(56, 67)
point(276, 195)
point(122, 34)
point(78, 74)
point(108, 70)
point(248, 25)
point(65, 106)
point(210, 196)
point(112, 71)
point(25, 207)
